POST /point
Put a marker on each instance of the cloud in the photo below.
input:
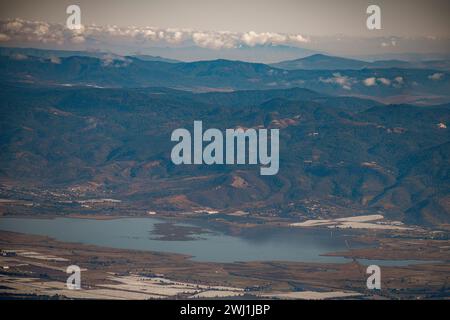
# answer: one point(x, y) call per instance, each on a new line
point(18, 56)
point(14, 25)
point(344, 81)
point(212, 40)
point(436, 76)
point(370, 82)
point(398, 81)
point(253, 38)
point(298, 38)
point(35, 31)
point(55, 60)
point(389, 43)
point(384, 81)
point(77, 39)
point(4, 37)
point(44, 32)
point(113, 60)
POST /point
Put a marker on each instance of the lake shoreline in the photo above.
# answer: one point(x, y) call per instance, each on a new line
point(106, 266)
point(362, 247)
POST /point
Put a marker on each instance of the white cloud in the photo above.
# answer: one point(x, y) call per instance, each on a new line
point(55, 60)
point(298, 38)
point(344, 81)
point(18, 56)
point(4, 37)
point(31, 31)
point(252, 38)
point(384, 81)
point(39, 31)
point(399, 80)
point(113, 60)
point(389, 43)
point(370, 81)
point(212, 40)
point(77, 39)
point(436, 76)
point(14, 25)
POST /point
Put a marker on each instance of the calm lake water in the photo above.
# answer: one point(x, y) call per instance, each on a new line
point(258, 244)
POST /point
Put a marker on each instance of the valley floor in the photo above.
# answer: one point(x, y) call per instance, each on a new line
point(34, 267)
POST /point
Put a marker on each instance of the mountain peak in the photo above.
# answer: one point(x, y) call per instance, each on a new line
point(321, 61)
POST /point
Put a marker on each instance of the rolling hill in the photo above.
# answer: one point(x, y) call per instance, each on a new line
point(338, 155)
point(388, 85)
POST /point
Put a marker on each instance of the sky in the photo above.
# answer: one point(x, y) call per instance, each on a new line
point(324, 25)
point(318, 17)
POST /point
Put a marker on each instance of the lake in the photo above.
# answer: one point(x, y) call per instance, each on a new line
point(256, 244)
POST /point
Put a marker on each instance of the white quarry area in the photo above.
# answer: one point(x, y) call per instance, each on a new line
point(39, 256)
point(374, 221)
point(132, 287)
point(311, 295)
point(136, 287)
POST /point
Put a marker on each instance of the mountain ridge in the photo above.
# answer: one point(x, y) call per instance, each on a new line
point(421, 86)
point(115, 143)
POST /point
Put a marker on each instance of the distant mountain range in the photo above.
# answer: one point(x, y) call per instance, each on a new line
point(47, 54)
point(257, 53)
point(98, 126)
point(379, 81)
point(146, 57)
point(325, 62)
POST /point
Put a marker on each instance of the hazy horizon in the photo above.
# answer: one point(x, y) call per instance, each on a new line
point(217, 29)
